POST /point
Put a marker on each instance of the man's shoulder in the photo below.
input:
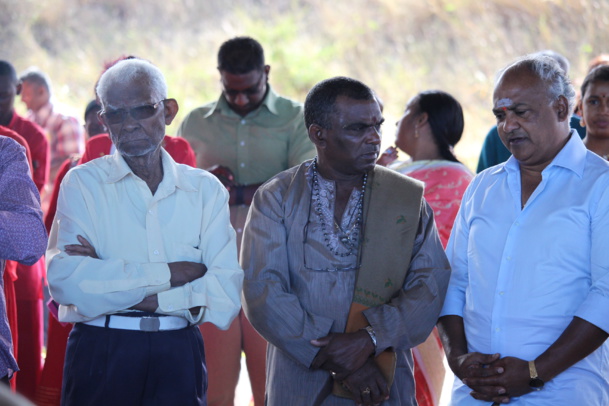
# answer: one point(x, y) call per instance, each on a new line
point(27, 128)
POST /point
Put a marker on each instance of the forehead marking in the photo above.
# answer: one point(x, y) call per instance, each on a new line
point(504, 103)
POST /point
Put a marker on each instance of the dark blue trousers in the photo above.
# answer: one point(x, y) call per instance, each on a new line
point(113, 367)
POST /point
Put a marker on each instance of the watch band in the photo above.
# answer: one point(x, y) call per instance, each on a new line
point(533, 370)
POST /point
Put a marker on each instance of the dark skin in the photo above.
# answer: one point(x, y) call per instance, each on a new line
point(139, 143)
point(346, 151)
point(9, 88)
point(534, 129)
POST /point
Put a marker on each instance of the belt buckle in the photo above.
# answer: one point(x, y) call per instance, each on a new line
point(150, 324)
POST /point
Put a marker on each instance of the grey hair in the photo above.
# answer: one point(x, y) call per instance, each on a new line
point(128, 70)
point(549, 71)
point(37, 77)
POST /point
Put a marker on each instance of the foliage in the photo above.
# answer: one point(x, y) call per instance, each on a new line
point(398, 47)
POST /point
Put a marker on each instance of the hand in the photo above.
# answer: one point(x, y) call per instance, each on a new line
point(84, 249)
point(343, 353)
point(515, 379)
point(387, 157)
point(367, 384)
point(472, 366)
point(149, 304)
point(224, 174)
point(183, 272)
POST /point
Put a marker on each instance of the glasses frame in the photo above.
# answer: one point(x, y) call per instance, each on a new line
point(103, 114)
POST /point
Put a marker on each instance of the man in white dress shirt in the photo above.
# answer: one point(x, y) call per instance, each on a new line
point(142, 251)
point(526, 315)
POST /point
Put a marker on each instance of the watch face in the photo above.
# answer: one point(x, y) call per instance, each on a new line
point(536, 383)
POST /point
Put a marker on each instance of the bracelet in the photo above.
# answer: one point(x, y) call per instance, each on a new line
point(372, 335)
point(239, 195)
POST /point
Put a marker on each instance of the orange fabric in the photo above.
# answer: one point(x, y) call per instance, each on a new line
point(225, 360)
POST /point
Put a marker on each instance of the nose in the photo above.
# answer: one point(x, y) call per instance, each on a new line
point(374, 136)
point(510, 123)
point(241, 99)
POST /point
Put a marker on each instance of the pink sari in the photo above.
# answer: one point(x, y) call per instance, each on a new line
point(445, 183)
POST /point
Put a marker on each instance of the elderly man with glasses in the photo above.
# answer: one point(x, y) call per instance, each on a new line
point(141, 252)
point(345, 271)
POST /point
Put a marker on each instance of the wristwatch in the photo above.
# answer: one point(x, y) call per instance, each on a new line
point(536, 382)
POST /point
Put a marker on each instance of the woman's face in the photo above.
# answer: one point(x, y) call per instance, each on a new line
point(405, 131)
point(595, 109)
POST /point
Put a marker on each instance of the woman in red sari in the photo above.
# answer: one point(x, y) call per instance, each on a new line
point(430, 127)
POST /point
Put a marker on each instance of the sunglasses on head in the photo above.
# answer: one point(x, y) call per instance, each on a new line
point(137, 113)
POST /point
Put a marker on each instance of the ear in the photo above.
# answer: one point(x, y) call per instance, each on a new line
point(580, 109)
point(267, 70)
point(19, 87)
point(422, 119)
point(171, 109)
point(562, 108)
point(317, 135)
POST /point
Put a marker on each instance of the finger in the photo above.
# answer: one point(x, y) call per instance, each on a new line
point(83, 241)
point(483, 381)
point(321, 342)
point(474, 373)
point(489, 391)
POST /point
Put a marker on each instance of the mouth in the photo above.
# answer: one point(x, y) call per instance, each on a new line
point(516, 140)
point(371, 155)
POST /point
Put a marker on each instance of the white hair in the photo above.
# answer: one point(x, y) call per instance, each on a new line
point(549, 71)
point(128, 70)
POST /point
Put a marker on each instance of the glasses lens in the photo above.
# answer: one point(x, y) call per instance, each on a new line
point(143, 112)
point(114, 116)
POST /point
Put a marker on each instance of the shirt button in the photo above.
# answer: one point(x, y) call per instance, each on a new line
point(149, 211)
point(516, 223)
point(239, 230)
point(497, 330)
point(501, 293)
point(242, 165)
point(170, 307)
point(156, 252)
point(242, 143)
point(509, 258)
point(242, 121)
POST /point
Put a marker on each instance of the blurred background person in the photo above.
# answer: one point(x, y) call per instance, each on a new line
point(64, 133)
point(594, 108)
point(430, 127)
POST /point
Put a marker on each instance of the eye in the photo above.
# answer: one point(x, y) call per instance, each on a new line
point(520, 113)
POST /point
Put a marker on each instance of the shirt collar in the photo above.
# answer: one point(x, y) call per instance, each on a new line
point(119, 169)
point(572, 156)
point(269, 102)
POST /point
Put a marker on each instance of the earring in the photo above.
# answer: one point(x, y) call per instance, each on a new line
point(416, 132)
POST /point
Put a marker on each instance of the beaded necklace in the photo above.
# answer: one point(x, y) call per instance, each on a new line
point(350, 238)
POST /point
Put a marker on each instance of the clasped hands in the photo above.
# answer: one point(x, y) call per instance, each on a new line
point(182, 272)
point(492, 378)
point(350, 359)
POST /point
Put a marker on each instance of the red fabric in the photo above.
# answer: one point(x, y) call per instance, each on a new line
point(10, 274)
point(39, 147)
point(7, 132)
point(179, 149)
point(49, 390)
point(30, 337)
point(61, 173)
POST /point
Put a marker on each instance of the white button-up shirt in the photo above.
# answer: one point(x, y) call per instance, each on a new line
point(520, 275)
point(136, 235)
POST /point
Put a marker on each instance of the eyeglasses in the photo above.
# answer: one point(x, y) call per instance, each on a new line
point(137, 113)
point(251, 91)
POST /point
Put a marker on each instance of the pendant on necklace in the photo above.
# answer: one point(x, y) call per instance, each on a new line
point(345, 239)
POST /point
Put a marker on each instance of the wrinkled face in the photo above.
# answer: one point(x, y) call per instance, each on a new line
point(595, 109)
point(405, 131)
point(93, 124)
point(527, 120)
point(134, 137)
point(244, 93)
point(354, 137)
point(8, 90)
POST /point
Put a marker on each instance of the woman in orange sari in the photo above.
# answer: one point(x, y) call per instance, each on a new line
point(430, 127)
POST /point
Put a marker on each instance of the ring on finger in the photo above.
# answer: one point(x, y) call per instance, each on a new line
point(366, 391)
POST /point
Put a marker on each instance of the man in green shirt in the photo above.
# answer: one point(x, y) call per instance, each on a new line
point(245, 137)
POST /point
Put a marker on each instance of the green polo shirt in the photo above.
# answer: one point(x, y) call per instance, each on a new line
point(256, 147)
